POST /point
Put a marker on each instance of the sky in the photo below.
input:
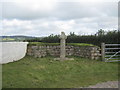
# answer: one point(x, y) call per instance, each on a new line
point(44, 17)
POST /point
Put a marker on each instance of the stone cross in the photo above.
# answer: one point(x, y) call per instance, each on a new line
point(63, 37)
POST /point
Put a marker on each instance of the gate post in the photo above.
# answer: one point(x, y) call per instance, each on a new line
point(103, 51)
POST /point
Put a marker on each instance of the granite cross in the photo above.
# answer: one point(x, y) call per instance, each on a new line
point(63, 37)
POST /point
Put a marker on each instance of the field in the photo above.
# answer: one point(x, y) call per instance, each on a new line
point(44, 72)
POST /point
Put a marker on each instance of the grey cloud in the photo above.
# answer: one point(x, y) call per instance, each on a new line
point(82, 10)
point(63, 11)
point(88, 18)
point(38, 28)
point(12, 11)
point(74, 11)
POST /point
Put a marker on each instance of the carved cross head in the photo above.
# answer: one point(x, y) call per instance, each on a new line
point(63, 36)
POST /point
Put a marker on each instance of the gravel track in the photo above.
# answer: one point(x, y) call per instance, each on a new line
point(108, 84)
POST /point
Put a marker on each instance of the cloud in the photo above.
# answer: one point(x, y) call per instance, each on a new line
point(13, 10)
point(46, 27)
point(40, 18)
point(60, 10)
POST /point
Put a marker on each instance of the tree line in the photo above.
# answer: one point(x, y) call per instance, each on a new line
point(96, 39)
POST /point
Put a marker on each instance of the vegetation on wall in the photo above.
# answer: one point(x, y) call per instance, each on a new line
point(55, 44)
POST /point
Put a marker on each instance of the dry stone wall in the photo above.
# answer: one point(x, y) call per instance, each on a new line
point(87, 52)
point(90, 52)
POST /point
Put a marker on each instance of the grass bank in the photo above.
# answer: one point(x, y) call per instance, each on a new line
point(55, 44)
point(44, 72)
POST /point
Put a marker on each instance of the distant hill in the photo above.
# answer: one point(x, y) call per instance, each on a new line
point(17, 36)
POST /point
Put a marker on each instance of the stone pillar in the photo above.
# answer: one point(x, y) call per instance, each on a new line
point(63, 37)
point(103, 51)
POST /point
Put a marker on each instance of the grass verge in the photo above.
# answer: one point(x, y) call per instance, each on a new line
point(44, 72)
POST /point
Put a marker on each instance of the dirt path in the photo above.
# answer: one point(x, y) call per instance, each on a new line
point(108, 84)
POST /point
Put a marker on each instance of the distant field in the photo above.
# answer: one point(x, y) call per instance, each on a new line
point(8, 39)
point(15, 38)
point(44, 72)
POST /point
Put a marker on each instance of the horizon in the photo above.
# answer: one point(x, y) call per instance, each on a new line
point(54, 34)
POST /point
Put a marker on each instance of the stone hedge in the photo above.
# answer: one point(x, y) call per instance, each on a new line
point(91, 52)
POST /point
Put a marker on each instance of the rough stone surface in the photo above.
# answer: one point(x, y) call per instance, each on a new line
point(90, 52)
point(63, 37)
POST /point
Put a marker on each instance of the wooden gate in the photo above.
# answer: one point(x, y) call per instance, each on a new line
point(110, 52)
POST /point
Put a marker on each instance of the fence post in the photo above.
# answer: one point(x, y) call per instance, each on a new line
point(103, 51)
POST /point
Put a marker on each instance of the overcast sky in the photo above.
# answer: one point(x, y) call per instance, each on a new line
point(45, 17)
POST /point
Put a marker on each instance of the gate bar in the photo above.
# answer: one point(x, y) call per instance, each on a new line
point(111, 48)
point(112, 44)
point(109, 52)
point(110, 55)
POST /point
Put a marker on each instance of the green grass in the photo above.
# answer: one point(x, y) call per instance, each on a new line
point(44, 72)
point(80, 44)
point(43, 44)
point(54, 44)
